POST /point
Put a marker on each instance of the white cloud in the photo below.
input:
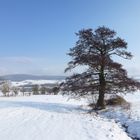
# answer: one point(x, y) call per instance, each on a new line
point(44, 66)
point(22, 60)
point(3, 71)
point(30, 65)
point(13, 65)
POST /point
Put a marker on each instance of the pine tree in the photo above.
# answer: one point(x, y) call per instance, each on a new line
point(95, 50)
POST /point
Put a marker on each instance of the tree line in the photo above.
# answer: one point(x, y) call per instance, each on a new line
point(8, 90)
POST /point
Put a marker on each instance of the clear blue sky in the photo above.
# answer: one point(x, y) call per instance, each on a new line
point(35, 35)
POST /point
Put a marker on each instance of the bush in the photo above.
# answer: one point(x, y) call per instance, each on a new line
point(114, 101)
point(118, 100)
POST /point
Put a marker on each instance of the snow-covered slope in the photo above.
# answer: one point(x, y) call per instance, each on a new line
point(34, 82)
point(53, 118)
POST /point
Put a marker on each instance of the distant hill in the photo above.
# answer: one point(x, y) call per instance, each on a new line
point(22, 77)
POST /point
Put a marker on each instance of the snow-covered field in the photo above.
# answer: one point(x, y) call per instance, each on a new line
point(34, 82)
point(50, 117)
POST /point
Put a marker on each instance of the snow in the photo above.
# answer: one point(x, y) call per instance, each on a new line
point(134, 122)
point(50, 117)
point(130, 118)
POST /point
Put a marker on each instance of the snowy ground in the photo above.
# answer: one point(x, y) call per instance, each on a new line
point(53, 118)
point(130, 118)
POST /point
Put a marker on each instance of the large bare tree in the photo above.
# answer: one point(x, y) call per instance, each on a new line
point(95, 49)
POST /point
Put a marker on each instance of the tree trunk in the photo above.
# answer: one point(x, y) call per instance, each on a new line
point(101, 103)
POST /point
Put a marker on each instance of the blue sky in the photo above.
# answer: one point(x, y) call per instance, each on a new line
point(35, 35)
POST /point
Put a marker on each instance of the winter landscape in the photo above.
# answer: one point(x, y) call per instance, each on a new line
point(69, 70)
point(45, 117)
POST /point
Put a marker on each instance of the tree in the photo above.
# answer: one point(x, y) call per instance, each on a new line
point(43, 90)
point(15, 90)
point(5, 88)
point(23, 90)
point(95, 50)
point(35, 89)
point(55, 90)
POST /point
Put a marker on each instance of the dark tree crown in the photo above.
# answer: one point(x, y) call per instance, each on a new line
point(96, 49)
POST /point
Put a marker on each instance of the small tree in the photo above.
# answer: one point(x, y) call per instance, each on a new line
point(95, 49)
point(23, 90)
point(5, 88)
point(55, 90)
point(35, 89)
point(43, 90)
point(15, 90)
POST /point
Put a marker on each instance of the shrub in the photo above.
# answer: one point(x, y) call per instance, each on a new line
point(114, 101)
point(118, 101)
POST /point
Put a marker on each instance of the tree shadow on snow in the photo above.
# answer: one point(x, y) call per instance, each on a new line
point(49, 107)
